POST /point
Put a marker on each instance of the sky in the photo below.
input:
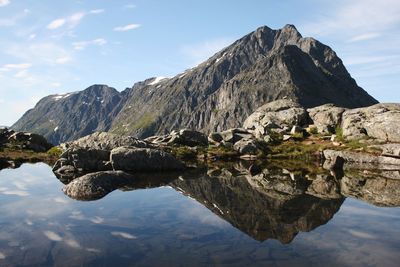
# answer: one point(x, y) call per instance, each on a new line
point(50, 47)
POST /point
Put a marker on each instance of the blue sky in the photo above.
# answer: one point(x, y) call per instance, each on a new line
point(49, 47)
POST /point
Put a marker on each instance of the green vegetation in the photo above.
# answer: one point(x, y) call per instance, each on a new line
point(54, 152)
point(144, 122)
point(20, 155)
point(339, 134)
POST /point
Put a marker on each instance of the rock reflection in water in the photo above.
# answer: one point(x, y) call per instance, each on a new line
point(273, 204)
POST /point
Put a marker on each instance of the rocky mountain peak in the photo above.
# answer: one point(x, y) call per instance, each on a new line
point(218, 94)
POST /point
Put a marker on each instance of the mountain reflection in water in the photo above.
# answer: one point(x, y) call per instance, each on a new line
point(143, 221)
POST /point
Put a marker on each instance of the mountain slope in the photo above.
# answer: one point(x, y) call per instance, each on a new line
point(220, 93)
point(65, 117)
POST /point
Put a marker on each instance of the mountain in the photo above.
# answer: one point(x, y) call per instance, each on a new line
point(220, 93)
point(70, 116)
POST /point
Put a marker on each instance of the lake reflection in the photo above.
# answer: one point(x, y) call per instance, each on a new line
point(205, 217)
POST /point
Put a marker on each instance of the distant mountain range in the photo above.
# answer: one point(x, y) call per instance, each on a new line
point(218, 94)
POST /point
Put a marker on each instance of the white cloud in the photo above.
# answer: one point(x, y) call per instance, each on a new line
point(356, 16)
point(9, 67)
point(4, 2)
point(55, 24)
point(71, 21)
point(83, 44)
point(32, 36)
point(126, 27)
point(130, 6)
point(11, 21)
point(96, 11)
point(56, 84)
point(39, 53)
point(197, 53)
point(364, 37)
point(75, 19)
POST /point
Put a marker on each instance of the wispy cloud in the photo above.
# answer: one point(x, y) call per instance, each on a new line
point(83, 44)
point(126, 27)
point(55, 24)
point(197, 53)
point(96, 11)
point(4, 2)
point(19, 66)
point(364, 37)
point(70, 21)
point(360, 16)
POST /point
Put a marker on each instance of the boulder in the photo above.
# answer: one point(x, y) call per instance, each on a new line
point(105, 141)
point(29, 141)
point(96, 185)
point(184, 137)
point(188, 137)
point(83, 160)
point(274, 116)
point(246, 146)
point(326, 117)
point(296, 130)
point(143, 159)
point(325, 187)
point(380, 121)
point(390, 150)
point(357, 157)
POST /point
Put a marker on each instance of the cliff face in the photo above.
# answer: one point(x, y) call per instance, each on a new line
point(220, 93)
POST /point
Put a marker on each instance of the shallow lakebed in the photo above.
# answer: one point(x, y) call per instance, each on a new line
point(207, 219)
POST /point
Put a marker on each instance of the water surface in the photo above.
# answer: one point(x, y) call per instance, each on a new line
point(209, 218)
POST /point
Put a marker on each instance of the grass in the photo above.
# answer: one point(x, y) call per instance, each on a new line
point(22, 156)
point(144, 122)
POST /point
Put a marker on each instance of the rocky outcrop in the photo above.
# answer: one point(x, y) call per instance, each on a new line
point(143, 159)
point(379, 121)
point(359, 157)
point(263, 66)
point(23, 140)
point(96, 185)
point(326, 118)
point(105, 141)
point(184, 137)
point(278, 116)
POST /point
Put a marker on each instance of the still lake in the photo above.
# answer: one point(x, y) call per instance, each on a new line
point(210, 218)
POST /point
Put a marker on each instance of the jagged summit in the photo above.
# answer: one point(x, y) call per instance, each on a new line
point(263, 66)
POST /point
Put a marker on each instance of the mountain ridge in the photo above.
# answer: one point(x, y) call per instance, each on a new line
point(263, 66)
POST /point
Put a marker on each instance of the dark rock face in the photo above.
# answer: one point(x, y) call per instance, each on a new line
point(143, 159)
point(23, 140)
point(66, 117)
point(261, 67)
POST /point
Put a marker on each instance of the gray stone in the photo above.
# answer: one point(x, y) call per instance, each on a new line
point(143, 159)
point(96, 185)
point(326, 117)
point(246, 146)
point(105, 141)
point(359, 157)
point(280, 114)
point(380, 121)
point(84, 160)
